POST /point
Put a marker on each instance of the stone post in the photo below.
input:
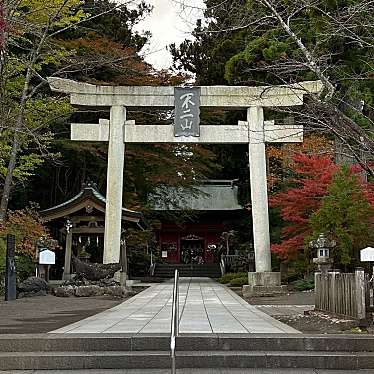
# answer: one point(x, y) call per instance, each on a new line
point(114, 190)
point(67, 266)
point(259, 195)
point(263, 282)
point(360, 293)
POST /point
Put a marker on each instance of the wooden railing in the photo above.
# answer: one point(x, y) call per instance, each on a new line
point(343, 294)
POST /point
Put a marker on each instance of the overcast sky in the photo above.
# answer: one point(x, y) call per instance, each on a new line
point(168, 23)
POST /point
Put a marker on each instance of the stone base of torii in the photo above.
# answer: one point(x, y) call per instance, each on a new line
point(255, 132)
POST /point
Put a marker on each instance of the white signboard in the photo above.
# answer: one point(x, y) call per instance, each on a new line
point(164, 254)
point(367, 254)
point(47, 257)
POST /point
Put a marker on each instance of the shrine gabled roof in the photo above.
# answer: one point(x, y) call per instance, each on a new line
point(210, 195)
point(88, 197)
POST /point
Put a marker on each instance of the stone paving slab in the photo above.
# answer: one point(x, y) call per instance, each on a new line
point(205, 306)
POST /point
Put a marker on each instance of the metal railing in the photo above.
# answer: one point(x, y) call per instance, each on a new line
point(222, 266)
point(174, 320)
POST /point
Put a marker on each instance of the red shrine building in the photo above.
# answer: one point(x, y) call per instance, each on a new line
point(215, 209)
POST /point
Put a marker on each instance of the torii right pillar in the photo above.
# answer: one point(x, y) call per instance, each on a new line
point(264, 281)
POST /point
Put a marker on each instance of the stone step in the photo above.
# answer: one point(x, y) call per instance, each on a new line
point(56, 360)
point(276, 359)
point(211, 342)
point(187, 359)
point(82, 342)
point(186, 270)
point(168, 276)
point(276, 342)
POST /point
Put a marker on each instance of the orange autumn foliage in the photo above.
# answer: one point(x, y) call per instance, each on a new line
point(282, 157)
point(27, 226)
point(119, 64)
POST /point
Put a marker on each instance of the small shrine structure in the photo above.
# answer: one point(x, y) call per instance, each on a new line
point(81, 220)
point(217, 209)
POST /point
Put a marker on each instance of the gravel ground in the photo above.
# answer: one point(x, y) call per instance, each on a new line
point(290, 298)
point(296, 309)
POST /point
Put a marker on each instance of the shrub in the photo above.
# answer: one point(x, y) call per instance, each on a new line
point(304, 284)
point(25, 267)
point(228, 277)
point(240, 264)
point(238, 282)
point(138, 262)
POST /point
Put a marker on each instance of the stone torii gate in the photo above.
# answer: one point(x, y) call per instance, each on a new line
point(255, 132)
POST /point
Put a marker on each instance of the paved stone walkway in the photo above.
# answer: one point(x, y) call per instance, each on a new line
point(205, 306)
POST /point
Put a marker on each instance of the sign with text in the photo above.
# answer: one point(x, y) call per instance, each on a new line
point(47, 257)
point(187, 111)
point(367, 254)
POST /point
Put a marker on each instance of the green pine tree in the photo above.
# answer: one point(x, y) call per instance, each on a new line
point(345, 216)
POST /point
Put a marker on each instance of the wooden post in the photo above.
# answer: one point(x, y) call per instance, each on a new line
point(10, 269)
point(67, 265)
point(317, 291)
point(123, 260)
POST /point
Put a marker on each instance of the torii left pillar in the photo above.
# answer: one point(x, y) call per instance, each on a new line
point(114, 189)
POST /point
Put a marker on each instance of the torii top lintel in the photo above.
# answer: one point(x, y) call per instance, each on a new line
point(85, 94)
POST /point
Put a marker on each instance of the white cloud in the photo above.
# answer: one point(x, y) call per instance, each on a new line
point(169, 22)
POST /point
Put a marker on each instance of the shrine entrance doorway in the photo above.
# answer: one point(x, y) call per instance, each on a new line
point(192, 249)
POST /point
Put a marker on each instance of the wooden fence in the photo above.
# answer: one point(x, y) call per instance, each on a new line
point(343, 294)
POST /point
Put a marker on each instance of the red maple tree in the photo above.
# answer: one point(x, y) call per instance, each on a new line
point(313, 176)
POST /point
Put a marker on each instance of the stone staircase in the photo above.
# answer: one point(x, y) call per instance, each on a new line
point(187, 270)
point(115, 351)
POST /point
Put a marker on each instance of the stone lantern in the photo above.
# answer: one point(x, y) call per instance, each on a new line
point(323, 245)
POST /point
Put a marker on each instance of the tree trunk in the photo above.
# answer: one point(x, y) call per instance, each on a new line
point(8, 179)
point(14, 152)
